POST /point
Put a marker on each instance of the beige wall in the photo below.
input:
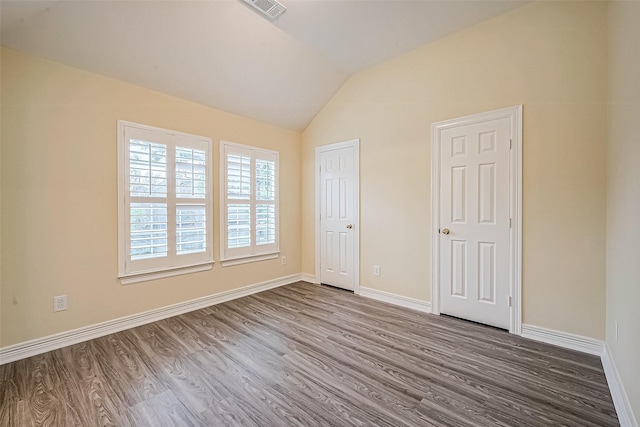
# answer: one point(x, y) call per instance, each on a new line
point(623, 197)
point(548, 56)
point(58, 175)
point(59, 197)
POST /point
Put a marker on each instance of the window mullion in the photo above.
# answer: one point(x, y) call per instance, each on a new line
point(139, 199)
point(190, 201)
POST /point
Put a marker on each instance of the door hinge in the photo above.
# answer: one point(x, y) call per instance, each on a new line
point(509, 301)
point(438, 231)
point(509, 222)
point(510, 144)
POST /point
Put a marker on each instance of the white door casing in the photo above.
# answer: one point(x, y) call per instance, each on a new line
point(476, 208)
point(337, 228)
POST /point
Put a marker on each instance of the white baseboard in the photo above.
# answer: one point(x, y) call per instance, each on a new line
point(618, 395)
point(563, 339)
point(311, 278)
point(595, 347)
point(412, 303)
point(52, 342)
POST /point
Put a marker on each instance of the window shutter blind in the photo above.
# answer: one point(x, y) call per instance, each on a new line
point(191, 218)
point(238, 225)
point(250, 201)
point(266, 195)
point(238, 167)
point(238, 177)
point(147, 179)
point(147, 169)
point(148, 230)
point(191, 229)
point(190, 173)
point(265, 224)
point(165, 212)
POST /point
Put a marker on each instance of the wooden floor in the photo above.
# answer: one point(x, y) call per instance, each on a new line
point(307, 355)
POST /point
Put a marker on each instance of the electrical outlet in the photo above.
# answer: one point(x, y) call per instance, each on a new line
point(283, 260)
point(376, 270)
point(60, 303)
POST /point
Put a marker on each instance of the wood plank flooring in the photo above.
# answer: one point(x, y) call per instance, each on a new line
point(307, 355)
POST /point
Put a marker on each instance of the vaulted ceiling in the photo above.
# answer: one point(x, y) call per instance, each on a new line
point(224, 54)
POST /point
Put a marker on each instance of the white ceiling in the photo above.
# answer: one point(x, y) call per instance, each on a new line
point(224, 54)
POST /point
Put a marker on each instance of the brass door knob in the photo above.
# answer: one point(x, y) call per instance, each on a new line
point(349, 226)
point(446, 231)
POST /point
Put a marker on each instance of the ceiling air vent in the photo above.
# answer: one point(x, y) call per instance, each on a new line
point(270, 8)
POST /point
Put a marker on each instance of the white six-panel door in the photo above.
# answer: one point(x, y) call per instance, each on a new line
point(475, 222)
point(337, 217)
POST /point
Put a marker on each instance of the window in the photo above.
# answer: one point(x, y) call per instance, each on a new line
point(164, 201)
point(250, 201)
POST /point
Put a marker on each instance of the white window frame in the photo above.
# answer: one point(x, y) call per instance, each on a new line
point(132, 271)
point(254, 252)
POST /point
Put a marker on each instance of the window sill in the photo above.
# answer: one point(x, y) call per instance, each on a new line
point(128, 279)
point(247, 259)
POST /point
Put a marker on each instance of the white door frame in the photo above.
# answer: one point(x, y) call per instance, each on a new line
point(355, 143)
point(514, 114)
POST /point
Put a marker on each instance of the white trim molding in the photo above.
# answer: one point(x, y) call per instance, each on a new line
point(53, 342)
point(311, 278)
point(563, 339)
point(514, 114)
point(163, 274)
point(400, 300)
point(245, 260)
point(618, 394)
